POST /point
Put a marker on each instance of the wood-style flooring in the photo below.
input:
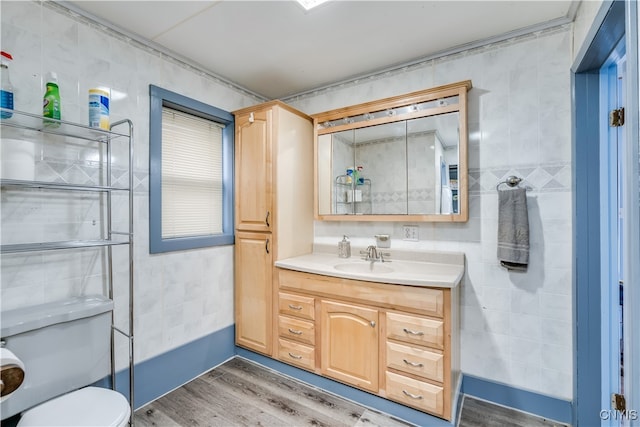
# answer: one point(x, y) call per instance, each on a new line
point(242, 393)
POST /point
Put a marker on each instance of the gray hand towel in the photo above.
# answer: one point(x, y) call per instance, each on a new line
point(513, 229)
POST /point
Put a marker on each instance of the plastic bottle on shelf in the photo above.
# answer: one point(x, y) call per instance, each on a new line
point(6, 89)
point(360, 178)
point(51, 102)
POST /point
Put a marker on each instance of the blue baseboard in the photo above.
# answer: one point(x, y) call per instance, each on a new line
point(158, 376)
point(347, 392)
point(527, 401)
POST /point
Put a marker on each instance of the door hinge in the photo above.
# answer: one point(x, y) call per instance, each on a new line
point(616, 117)
point(618, 402)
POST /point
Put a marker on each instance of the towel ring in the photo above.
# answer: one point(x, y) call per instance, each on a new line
point(511, 181)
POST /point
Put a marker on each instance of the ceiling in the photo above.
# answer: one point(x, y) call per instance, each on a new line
point(276, 49)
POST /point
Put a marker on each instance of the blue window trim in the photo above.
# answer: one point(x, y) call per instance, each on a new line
point(160, 98)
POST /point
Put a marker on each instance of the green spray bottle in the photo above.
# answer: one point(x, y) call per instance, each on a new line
point(51, 101)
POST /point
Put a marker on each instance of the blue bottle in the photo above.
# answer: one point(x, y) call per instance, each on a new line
point(6, 89)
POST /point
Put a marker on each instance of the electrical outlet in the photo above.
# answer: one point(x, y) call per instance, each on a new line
point(410, 232)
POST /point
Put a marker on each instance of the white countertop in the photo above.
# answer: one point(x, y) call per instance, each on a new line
point(419, 268)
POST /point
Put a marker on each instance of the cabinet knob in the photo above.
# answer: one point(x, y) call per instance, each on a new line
point(373, 324)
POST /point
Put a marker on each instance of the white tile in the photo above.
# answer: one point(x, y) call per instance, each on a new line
point(525, 326)
point(556, 332)
point(556, 307)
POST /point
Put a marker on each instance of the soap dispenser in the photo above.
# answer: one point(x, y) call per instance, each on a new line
point(344, 248)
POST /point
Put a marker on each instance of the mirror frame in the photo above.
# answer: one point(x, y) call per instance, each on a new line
point(458, 89)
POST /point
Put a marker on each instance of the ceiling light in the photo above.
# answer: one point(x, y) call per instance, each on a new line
point(310, 4)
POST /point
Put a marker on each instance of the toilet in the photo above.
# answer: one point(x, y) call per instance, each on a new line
point(89, 406)
point(56, 390)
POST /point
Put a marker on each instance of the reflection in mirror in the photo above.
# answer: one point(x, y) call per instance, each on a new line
point(381, 154)
point(405, 167)
point(432, 164)
point(400, 157)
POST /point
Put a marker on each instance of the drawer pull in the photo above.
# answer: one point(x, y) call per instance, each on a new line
point(410, 332)
point(414, 364)
point(293, 331)
point(295, 356)
point(411, 395)
point(295, 307)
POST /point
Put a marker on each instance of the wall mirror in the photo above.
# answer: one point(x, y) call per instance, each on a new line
point(396, 159)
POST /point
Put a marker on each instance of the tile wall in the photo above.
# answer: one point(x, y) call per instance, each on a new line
point(516, 328)
point(179, 296)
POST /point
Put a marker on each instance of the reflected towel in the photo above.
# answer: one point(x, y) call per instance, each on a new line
point(513, 229)
point(446, 200)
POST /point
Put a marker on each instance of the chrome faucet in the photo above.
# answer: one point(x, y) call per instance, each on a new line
point(372, 253)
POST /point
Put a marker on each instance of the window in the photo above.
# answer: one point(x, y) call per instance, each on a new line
point(190, 173)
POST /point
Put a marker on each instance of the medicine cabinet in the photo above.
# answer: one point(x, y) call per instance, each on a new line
point(402, 158)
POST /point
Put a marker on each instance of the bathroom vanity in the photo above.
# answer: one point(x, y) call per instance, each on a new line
point(388, 328)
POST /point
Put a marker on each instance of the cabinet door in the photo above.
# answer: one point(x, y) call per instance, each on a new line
point(253, 297)
point(253, 174)
point(349, 344)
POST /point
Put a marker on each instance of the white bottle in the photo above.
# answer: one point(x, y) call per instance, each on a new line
point(6, 89)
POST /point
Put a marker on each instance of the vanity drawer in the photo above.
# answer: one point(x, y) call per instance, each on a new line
point(416, 330)
point(297, 305)
point(418, 394)
point(424, 300)
point(297, 354)
point(425, 363)
point(297, 330)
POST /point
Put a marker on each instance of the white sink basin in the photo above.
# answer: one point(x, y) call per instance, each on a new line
point(364, 267)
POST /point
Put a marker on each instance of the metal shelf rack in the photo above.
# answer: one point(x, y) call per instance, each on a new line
point(24, 121)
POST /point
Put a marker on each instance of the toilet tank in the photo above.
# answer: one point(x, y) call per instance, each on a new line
point(64, 345)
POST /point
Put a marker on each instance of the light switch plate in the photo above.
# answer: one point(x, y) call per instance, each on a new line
point(410, 232)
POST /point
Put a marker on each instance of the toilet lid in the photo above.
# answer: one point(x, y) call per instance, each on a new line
point(89, 406)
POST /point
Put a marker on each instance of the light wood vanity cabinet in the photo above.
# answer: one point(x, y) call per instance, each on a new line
point(400, 342)
point(273, 212)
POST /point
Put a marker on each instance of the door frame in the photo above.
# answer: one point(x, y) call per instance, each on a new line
point(610, 151)
point(614, 20)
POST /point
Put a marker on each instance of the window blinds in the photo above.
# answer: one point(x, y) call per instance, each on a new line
point(191, 175)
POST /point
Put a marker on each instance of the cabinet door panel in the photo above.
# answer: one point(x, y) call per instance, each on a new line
point(254, 172)
point(349, 344)
point(253, 269)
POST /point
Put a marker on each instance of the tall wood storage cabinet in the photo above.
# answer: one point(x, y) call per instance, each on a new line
point(273, 211)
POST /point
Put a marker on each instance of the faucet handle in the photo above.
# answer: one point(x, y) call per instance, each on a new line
point(384, 256)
